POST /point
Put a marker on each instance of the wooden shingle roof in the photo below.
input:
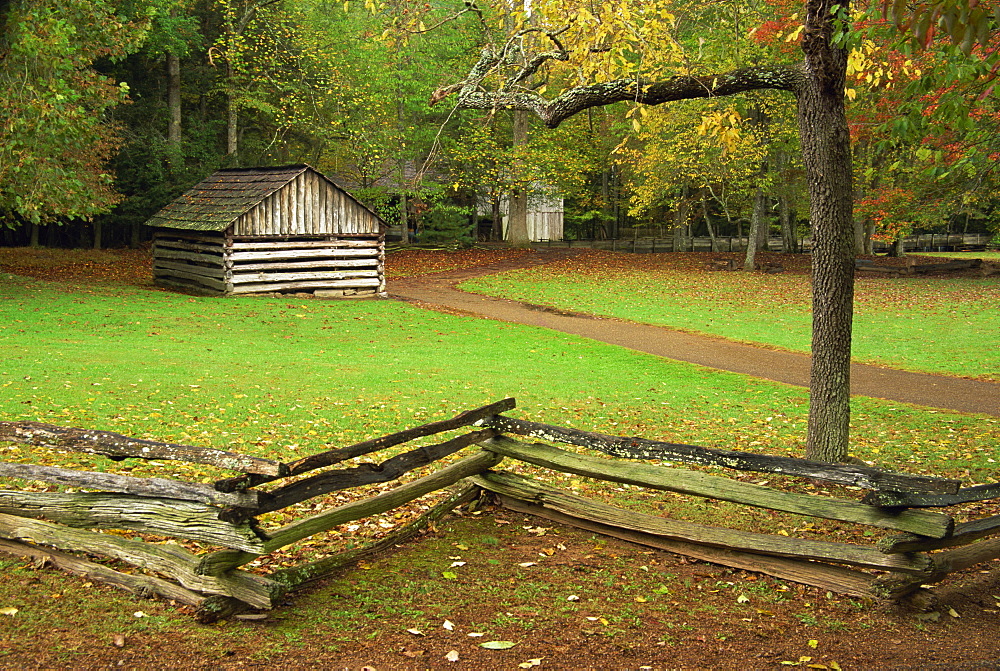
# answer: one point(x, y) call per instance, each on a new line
point(225, 195)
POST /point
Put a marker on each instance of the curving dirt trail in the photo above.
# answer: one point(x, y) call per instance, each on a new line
point(438, 291)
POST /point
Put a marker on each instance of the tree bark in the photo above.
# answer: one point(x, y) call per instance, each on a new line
point(404, 207)
point(708, 220)
point(517, 212)
point(496, 229)
point(859, 236)
point(173, 110)
point(757, 230)
point(826, 154)
point(761, 207)
point(232, 122)
point(684, 87)
point(789, 244)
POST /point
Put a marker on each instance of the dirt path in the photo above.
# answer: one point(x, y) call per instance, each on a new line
point(438, 291)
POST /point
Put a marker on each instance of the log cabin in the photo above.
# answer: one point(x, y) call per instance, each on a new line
point(287, 229)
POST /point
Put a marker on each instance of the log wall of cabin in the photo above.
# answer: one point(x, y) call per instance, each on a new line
point(190, 260)
point(346, 265)
point(350, 266)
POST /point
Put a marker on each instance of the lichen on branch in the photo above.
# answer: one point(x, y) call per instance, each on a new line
point(473, 95)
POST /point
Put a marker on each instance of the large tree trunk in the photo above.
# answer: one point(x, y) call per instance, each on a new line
point(826, 153)
point(708, 220)
point(232, 122)
point(404, 218)
point(517, 212)
point(896, 248)
point(681, 215)
point(859, 236)
point(607, 225)
point(789, 243)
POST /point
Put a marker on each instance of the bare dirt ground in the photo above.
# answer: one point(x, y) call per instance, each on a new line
point(636, 609)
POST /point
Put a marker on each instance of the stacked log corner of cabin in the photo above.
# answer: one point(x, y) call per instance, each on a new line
point(267, 230)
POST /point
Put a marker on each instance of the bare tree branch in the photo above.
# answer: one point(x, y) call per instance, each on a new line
point(471, 95)
point(530, 67)
point(469, 7)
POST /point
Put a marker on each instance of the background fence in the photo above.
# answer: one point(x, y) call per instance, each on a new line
point(929, 242)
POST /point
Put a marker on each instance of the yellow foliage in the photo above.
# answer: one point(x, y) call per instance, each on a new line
point(681, 146)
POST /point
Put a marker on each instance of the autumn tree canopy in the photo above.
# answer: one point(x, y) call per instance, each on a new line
point(643, 45)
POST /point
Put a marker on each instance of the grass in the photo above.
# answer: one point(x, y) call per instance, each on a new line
point(285, 377)
point(273, 376)
point(929, 324)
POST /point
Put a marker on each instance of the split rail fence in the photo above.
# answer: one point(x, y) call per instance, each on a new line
point(65, 528)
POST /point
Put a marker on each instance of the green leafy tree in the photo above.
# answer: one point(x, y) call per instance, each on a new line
point(55, 138)
point(925, 117)
point(639, 60)
point(444, 223)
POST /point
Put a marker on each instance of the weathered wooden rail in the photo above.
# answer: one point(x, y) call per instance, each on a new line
point(222, 517)
point(221, 524)
point(914, 267)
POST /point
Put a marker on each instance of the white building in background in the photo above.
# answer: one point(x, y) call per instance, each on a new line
point(545, 215)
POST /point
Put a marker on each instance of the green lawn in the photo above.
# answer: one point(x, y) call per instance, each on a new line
point(286, 376)
point(934, 324)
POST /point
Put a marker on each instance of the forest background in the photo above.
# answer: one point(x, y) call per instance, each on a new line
point(110, 109)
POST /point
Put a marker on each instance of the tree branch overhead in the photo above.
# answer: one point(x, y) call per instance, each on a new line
point(471, 95)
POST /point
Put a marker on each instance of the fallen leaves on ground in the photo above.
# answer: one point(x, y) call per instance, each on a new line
point(407, 262)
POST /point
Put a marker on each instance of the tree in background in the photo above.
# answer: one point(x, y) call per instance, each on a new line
point(926, 120)
point(716, 158)
point(55, 138)
point(482, 162)
point(640, 60)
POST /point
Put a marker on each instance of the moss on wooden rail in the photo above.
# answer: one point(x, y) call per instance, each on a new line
point(112, 482)
point(167, 517)
point(116, 445)
point(225, 560)
point(65, 521)
point(641, 448)
point(526, 489)
point(170, 560)
point(224, 514)
point(935, 525)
